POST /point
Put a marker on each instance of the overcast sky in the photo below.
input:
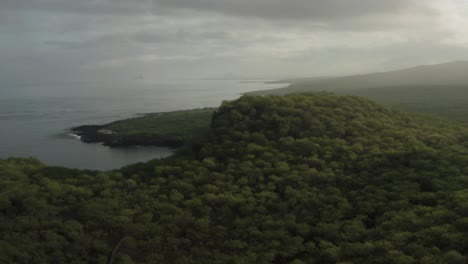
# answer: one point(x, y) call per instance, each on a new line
point(46, 41)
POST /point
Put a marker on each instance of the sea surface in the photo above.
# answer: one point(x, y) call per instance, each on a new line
point(34, 119)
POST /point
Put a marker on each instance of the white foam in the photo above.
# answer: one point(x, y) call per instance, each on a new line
point(74, 135)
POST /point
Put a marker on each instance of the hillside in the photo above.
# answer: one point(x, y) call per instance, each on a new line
point(446, 74)
point(441, 101)
point(440, 89)
point(169, 129)
point(315, 178)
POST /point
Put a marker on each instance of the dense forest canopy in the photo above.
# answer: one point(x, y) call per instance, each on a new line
point(315, 178)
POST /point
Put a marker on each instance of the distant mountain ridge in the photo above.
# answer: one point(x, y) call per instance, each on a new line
point(449, 74)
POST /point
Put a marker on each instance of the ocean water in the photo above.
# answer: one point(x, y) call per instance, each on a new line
point(34, 119)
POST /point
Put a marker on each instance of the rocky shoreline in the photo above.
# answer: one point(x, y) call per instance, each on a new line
point(167, 129)
point(90, 134)
point(99, 134)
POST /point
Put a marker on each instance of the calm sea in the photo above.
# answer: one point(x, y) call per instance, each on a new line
point(34, 119)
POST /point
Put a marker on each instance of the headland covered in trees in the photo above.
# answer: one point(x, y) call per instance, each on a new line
point(169, 129)
point(301, 178)
point(439, 90)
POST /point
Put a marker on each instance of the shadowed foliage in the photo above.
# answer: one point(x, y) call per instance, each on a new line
point(313, 178)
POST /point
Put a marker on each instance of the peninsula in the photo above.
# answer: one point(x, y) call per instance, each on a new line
point(168, 129)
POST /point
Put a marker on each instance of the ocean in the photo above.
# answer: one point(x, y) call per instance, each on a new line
point(35, 119)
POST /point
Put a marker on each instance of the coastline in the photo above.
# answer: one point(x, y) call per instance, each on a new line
point(166, 129)
point(94, 134)
point(175, 131)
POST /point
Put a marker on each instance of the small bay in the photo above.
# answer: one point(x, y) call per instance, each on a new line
point(34, 119)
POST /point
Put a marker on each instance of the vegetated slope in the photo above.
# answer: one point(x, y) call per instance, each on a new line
point(177, 123)
point(446, 74)
point(169, 129)
point(292, 179)
point(440, 89)
point(443, 101)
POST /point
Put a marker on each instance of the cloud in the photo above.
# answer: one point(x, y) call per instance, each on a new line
point(330, 12)
point(295, 9)
point(179, 36)
point(111, 7)
point(111, 39)
point(271, 9)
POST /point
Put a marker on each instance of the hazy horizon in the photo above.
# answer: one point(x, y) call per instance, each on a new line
point(108, 41)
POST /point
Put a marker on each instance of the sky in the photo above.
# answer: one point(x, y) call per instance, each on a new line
point(68, 41)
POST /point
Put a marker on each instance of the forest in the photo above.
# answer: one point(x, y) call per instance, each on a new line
point(300, 178)
point(167, 129)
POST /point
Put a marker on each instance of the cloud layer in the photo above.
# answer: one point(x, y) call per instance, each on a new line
point(106, 40)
